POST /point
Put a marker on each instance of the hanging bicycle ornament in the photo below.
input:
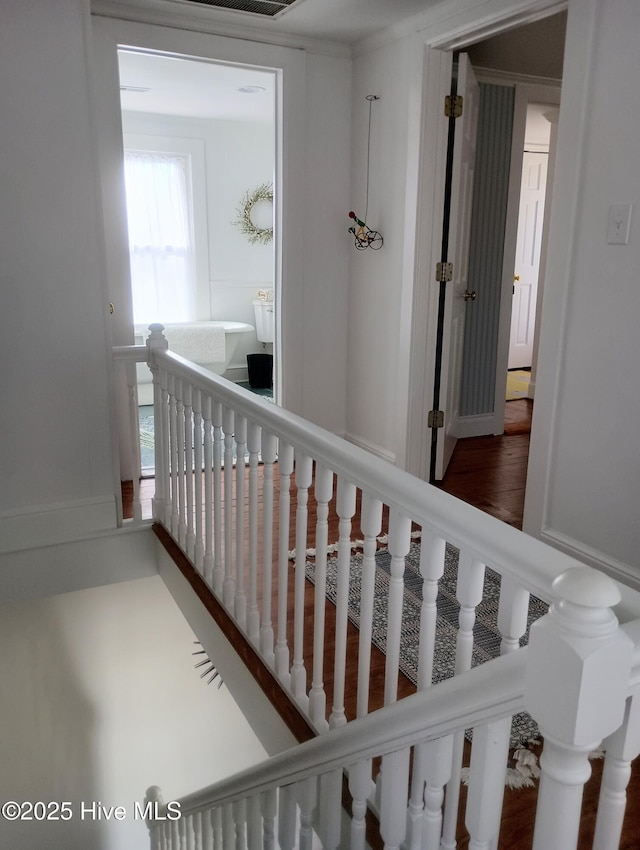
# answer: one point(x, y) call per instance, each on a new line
point(364, 236)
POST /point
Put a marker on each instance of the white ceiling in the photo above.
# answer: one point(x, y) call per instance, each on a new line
point(335, 20)
point(194, 89)
point(201, 89)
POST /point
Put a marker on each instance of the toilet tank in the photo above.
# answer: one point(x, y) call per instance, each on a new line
point(265, 320)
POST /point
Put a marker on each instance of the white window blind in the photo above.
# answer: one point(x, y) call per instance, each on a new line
point(160, 244)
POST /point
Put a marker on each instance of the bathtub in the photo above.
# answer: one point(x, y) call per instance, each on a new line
point(232, 334)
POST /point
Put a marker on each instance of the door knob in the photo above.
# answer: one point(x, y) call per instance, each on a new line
point(516, 277)
point(470, 296)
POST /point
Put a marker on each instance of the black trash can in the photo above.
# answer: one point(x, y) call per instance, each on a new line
point(260, 368)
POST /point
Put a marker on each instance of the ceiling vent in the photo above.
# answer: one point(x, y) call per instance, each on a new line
point(268, 8)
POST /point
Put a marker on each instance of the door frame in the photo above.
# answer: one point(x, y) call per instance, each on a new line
point(446, 29)
point(289, 65)
point(524, 95)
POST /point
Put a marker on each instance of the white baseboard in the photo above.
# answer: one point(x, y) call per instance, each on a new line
point(475, 426)
point(46, 525)
point(121, 555)
point(617, 570)
point(379, 451)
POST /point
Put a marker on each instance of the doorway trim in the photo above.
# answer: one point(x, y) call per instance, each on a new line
point(445, 29)
point(289, 65)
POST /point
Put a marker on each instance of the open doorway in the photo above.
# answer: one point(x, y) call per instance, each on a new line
point(502, 61)
point(199, 160)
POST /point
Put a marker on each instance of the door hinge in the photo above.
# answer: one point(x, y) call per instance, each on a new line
point(453, 106)
point(435, 419)
point(444, 272)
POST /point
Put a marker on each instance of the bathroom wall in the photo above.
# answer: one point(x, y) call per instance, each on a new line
point(238, 157)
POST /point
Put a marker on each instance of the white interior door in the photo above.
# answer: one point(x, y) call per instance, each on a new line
point(455, 303)
point(527, 266)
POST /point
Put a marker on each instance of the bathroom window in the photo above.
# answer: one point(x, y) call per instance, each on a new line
point(160, 237)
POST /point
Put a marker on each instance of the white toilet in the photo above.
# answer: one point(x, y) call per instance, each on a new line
point(265, 320)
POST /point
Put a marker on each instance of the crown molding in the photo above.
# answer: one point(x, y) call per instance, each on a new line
point(454, 24)
point(493, 76)
point(207, 19)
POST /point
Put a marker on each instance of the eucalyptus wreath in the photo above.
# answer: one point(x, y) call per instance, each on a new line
point(260, 235)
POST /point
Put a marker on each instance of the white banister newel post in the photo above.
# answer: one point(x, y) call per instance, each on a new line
point(157, 341)
point(577, 676)
point(153, 802)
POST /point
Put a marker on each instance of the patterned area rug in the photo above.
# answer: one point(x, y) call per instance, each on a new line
point(486, 634)
point(518, 384)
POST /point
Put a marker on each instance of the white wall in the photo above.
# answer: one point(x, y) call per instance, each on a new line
point(376, 387)
point(100, 700)
point(584, 464)
point(238, 157)
point(55, 458)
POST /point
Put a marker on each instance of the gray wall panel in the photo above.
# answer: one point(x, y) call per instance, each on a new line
point(493, 160)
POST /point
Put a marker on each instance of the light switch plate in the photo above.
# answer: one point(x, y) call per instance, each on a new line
point(619, 224)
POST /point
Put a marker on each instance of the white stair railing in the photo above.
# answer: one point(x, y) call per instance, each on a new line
point(302, 786)
point(229, 464)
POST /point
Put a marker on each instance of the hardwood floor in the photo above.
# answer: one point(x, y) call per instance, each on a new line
point(489, 472)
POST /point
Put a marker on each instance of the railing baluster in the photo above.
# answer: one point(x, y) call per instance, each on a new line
point(190, 537)
point(269, 802)
point(432, 553)
point(306, 801)
point(174, 519)
point(240, 601)
point(266, 627)
point(287, 815)
point(513, 609)
point(228, 587)
point(486, 783)
point(197, 830)
point(190, 832)
point(285, 468)
point(253, 614)
point(208, 494)
point(620, 750)
point(330, 809)
point(431, 772)
point(346, 507)
point(240, 818)
point(469, 589)
point(360, 786)
point(208, 840)
point(218, 566)
point(304, 472)
point(254, 823)
point(217, 820)
point(228, 827)
point(157, 341)
point(393, 802)
point(370, 524)
point(198, 551)
point(175, 841)
point(399, 541)
point(323, 487)
point(182, 507)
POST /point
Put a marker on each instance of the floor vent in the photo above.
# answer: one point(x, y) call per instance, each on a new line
point(270, 8)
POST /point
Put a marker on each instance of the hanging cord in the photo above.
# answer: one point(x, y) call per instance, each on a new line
point(370, 98)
